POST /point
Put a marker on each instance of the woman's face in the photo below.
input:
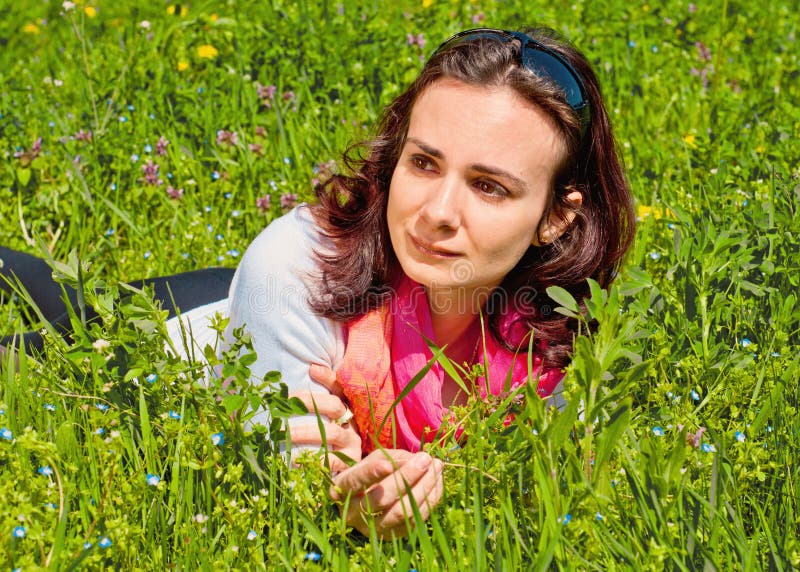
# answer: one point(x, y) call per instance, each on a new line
point(470, 189)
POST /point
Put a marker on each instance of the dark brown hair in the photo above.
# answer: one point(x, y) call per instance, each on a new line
point(358, 275)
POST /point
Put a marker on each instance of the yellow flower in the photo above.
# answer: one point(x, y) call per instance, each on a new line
point(30, 28)
point(177, 10)
point(760, 149)
point(213, 17)
point(643, 211)
point(183, 66)
point(646, 8)
point(427, 3)
point(689, 139)
point(90, 11)
point(207, 51)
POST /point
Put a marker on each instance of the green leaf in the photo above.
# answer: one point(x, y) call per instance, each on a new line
point(23, 176)
point(561, 296)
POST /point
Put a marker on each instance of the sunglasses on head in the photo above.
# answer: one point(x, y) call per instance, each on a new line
point(538, 59)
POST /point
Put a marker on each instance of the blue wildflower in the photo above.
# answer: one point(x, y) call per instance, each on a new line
point(287, 160)
point(215, 176)
point(631, 44)
point(236, 213)
point(671, 226)
point(218, 439)
point(233, 253)
point(87, 545)
point(99, 431)
point(741, 437)
point(148, 148)
point(221, 258)
point(6, 434)
point(104, 542)
point(658, 431)
point(654, 255)
point(695, 395)
point(131, 107)
point(151, 116)
point(51, 505)
point(134, 158)
point(147, 255)
point(220, 237)
point(708, 448)
point(654, 49)
point(152, 479)
point(19, 532)
point(49, 407)
point(174, 415)
point(123, 119)
point(151, 378)
point(207, 208)
point(313, 556)
point(228, 195)
point(110, 232)
point(101, 406)
point(184, 255)
point(46, 470)
point(2, 411)
point(565, 519)
point(745, 342)
point(209, 227)
point(112, 186)
point(598, 516)
point(775, 354)
point(252, 535)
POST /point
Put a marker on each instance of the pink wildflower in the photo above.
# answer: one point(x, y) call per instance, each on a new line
point(85, 136)
point(260, 131)
point(227, 137)
point(27, 157)
point(174, 194)
point(150, 171)
point(288, 95)
point(263, 203)
point(419, 39)
point(161, 145)
point(703, 51)
point(692, 8)
point(288, 200)
point(256, 149)
point(477, 18)
point(266, 91)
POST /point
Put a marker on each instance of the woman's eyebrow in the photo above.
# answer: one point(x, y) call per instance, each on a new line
point(427, 148)
point(485, 169)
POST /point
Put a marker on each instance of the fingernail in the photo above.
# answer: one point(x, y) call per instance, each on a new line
point(423, 461)
point(439, 465)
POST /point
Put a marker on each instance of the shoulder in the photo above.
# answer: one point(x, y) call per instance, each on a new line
point(292, 239)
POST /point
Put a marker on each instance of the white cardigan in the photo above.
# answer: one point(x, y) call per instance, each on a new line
point(269, 298)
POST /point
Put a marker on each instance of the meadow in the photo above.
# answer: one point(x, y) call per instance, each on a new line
point(143, 139)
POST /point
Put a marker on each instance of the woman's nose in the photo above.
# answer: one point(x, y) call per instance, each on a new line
point(443, 204)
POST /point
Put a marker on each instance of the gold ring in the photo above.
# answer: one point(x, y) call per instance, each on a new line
point(346, 417)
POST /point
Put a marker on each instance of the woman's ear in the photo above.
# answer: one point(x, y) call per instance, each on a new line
point(558, 222)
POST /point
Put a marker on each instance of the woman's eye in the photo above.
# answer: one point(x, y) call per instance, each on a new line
point(491, 188)
point(421, 163)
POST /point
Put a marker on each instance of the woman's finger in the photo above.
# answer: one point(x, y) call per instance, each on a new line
point(425, 494)
point(336, 437)
point(325, 404)
point(384, 494)
point(369, 471)
point(325, 376)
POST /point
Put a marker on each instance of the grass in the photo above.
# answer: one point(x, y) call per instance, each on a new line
point(679, 448)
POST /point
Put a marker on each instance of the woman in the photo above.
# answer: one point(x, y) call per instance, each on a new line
point(491, 178)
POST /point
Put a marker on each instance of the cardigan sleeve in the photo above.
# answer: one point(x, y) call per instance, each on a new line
point(269, 299)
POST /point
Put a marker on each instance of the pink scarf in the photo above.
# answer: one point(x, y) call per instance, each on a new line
point(385, 350)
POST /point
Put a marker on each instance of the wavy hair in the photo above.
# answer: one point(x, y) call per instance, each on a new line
point(357, 275)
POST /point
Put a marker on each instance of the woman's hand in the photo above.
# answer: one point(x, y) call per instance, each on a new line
point(382, 486)
point(342, 438)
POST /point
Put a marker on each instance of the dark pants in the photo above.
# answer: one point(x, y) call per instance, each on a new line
point(180, 291)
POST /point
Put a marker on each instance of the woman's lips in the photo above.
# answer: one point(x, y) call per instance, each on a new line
point(430, 250)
